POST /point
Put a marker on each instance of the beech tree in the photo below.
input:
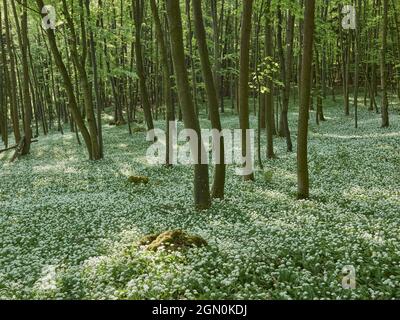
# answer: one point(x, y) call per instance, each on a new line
point(68, 87)
point(12, 87)
point(201, 179)
point(219, 179)
point(22, 31)
point(119, 60)
point(287, 72)
point(138, 7)
point(244, 80)
point(385, 102)
point(269, 95)
point(170, 112)
point(302, 136)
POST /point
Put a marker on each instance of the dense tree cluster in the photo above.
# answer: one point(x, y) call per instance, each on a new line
point(65, 66)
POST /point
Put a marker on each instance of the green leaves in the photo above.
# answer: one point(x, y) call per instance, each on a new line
point(121, 72)
point(265, 73)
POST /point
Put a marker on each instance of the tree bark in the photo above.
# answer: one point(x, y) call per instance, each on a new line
point(99, 101)
point(22, 31)
point(287, 80)
point(385, 102)
point(4, 88)
point(170, 113)
point(80, 64)
point(244, 81)
point(137, 6)
point(302, 143)
point(269, 96)
point(219, 176)
point(12, 92)
point(201, 180)
point(68, 86)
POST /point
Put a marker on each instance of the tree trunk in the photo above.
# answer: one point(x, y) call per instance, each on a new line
point(219, 176)
point(357, 65)
point(80, 64)
point(302, 143)
point(68, 86)
point(269, 96)
point(137, 6)
point(170, 113)
point(385, 102)
point(217, 48)
point(287, 80)
point(23, 42)
point(191, 59)
point(244, 83)
point(201, 183)
point(12, 77)
point(99, 101)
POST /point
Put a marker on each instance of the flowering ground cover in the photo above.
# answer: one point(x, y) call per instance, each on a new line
point(70, 228)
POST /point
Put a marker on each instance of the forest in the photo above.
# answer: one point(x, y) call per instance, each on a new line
point(199, 150)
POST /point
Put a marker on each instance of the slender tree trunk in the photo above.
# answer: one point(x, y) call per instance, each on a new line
point(12, 77)
point(80, 64)
point(68, 86)
point(269, 96)
point(318, 91)
point(170, 112)
point(345, 65)
point(217, 48)
point(191, 58)
point(300, 58)
point(23, 42)
point(287, 80)
point(137, 6)
point(385, 102)
point(397, 22)
point(3, 89)
point(302, 143)
point(201, 183)
point(357, 66)
point(99, 101)
point(282, 64)
point(219, 176)
point(244, 83)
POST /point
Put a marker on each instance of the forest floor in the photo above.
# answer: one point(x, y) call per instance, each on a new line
point(69, 227)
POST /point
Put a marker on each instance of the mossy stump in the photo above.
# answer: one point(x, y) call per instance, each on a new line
point(121, 123)
point(138, 180)
point(117, 123)
point(172, 241)
point(139, 129)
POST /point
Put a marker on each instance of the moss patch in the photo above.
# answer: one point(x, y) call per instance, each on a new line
point(139, 129)
point(138, 180)
point(172, 240)
point(146, 240)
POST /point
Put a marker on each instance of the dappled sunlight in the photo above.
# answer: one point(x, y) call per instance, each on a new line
point(366, 136)
point(127, 170)
point(86, 216)
point(306, 207)
point(373, 195)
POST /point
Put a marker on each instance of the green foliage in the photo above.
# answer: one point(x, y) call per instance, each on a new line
point(80, 217)
point(266, 71)
point(268, 176)
point(172, 240)
point(138, 180)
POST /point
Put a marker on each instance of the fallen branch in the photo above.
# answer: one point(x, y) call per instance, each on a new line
point(18, 150)
point(15, 146)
